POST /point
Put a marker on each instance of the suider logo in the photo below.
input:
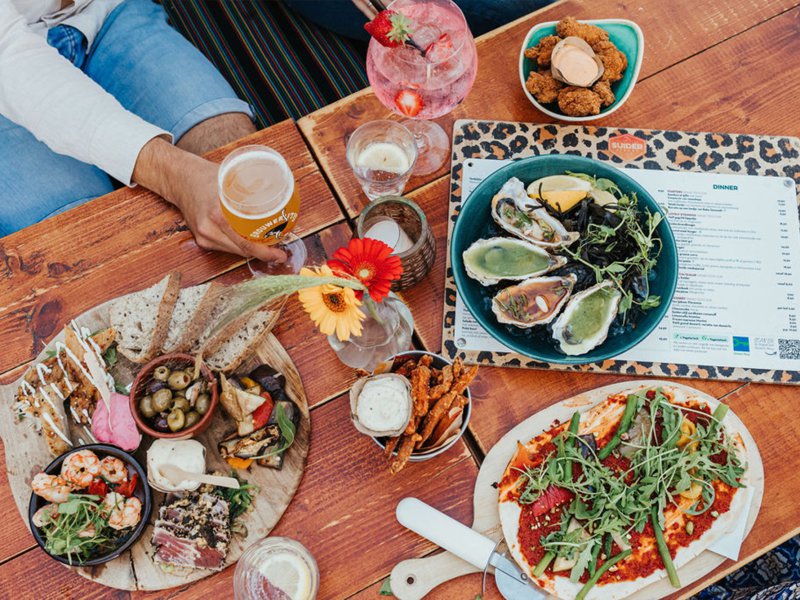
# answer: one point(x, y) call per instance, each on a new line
point(627, 147)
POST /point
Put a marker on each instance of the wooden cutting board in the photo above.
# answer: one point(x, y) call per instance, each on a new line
point(27, 454)
point(413, 579)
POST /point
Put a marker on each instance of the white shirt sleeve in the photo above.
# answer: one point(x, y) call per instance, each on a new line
point(62, 106)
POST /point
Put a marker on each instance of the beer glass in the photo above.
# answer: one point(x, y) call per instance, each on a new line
point(259, 199)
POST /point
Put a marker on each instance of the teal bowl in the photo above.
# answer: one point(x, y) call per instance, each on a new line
point(537, 343)
point(626, 35)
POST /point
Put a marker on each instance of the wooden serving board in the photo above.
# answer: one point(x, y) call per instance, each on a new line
point(413, 579)
point(27, 454)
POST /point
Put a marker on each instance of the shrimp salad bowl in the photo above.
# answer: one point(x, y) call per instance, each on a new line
point(89, 505)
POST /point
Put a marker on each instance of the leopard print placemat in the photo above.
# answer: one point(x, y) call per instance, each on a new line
point(633, 148)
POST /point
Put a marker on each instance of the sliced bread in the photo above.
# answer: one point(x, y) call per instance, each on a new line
point(142, 318)
point(229, 347)
point(191, 316)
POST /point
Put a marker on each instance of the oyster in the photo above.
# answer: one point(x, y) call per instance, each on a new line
point(525, 218)
point(494, 259)
point(574, 62)
point(381, 405)
point(535, 301)
point(586, 319)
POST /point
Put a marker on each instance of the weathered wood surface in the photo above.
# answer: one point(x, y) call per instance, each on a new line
point(123, 241)
point(676, 90)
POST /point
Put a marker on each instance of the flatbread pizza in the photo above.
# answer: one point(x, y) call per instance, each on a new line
point(624, 493)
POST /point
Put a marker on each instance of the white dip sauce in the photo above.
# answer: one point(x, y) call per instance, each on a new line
point(383, 404)
point(189, 455)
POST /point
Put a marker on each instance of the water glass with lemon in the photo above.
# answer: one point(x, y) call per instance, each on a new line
point(276, 567)
point(382, 155)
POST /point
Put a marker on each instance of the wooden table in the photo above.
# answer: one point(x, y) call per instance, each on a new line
point(724, 66)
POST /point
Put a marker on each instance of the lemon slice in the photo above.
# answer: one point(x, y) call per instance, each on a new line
point(383, 156)
point(560, 192)
point(289, 573)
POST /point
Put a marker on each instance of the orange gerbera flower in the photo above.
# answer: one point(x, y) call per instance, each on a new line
point(371, 262)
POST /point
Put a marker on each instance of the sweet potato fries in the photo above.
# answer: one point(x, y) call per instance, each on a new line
point(439, 397)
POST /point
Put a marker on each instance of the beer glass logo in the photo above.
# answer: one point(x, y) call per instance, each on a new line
point(275, 227)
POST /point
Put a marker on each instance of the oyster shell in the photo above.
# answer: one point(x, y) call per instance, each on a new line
point(495, 259)
point(525, 218)
point(586, 319)
point(380, 405)
point(574, 62)
point(535, 301)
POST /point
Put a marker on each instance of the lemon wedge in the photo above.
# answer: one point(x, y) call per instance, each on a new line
point(560, 192)
point(289, 573)
point(383, 156)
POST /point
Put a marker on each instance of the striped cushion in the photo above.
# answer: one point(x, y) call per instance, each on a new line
point(284, 66)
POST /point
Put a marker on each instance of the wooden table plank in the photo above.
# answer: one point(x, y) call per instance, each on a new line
point(343, 512)
point(673, 31)
point(126, 240)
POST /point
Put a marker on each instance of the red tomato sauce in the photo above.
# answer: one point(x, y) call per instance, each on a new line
point(533, 529)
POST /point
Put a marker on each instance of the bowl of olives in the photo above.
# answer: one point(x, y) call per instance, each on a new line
point(167, 401)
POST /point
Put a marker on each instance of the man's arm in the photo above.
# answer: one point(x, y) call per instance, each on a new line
point(190, 183)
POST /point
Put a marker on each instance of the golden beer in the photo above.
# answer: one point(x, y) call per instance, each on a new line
point(258, 195)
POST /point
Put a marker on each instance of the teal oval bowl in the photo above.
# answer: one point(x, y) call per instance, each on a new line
point(626, 35)
point(471, 223)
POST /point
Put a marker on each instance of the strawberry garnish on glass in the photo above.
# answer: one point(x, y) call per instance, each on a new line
point(409, 102)
point(389, 28)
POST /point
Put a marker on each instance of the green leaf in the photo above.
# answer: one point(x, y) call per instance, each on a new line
point(110, 356)
point(615, 267)
point(386, 588)
point(584, 558)
point(287, 430)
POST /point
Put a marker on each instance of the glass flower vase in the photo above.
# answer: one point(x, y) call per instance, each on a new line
point(387, 331)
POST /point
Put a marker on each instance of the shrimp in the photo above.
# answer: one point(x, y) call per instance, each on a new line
point(52, 488)
point(45, 514)
point(122, 512)
point(80, 468)
point(113, 470)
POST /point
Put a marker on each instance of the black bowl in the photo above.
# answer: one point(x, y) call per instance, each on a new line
point(142, 492)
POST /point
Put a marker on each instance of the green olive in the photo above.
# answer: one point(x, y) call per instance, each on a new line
point(161, 373)
point(180, 402)
point(146, 406)
point(178, 380)
point(176, 419)
point(202, 403)
point(192, 417)
point(162, 400)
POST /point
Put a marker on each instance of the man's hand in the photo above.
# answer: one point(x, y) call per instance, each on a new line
point(190, 183)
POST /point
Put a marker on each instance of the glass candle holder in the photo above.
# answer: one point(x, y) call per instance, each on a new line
point(382, 155)
point(400, 223)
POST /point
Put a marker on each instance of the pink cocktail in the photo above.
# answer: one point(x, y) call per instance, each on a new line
point(428, 76)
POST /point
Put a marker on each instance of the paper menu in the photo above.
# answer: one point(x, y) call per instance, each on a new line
point(737, 302)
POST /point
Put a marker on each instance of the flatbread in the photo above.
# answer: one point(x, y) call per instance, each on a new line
point(599, 419)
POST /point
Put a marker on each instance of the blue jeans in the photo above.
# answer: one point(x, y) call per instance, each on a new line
point(150, 69)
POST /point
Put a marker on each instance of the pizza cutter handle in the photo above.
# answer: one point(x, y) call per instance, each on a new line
point(443, 531)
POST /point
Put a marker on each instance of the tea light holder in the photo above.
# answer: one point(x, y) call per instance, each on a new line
point(401, 224)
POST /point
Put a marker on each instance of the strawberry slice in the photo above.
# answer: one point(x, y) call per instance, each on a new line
point(389, 28)
point(439, 50)
point(550, 498)
point(409, 102)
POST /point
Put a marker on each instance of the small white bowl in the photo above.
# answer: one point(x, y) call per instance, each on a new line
point(617, 29)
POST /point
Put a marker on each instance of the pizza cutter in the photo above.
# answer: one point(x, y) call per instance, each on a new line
point(468, 545)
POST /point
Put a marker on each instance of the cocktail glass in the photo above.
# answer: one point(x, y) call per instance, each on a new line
point(428, 76)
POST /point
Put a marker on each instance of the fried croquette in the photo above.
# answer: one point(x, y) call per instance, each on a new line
point(578, 102)
point(603, 89)
point(541, 52)
point(614, 61)
point(570, 26)
point(543, 87)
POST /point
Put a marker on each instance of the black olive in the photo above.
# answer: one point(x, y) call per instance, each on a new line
point(155, 385)
point(160, 423)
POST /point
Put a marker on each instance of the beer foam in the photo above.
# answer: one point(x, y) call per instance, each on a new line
point(251, 198)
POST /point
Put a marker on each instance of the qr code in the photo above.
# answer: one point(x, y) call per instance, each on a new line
point(789, 349)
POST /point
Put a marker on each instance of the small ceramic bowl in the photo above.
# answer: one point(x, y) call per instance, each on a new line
point(145, 376)
point(142, 492)
point(428, 453)
point(626, 35)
